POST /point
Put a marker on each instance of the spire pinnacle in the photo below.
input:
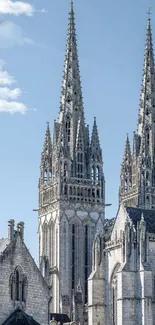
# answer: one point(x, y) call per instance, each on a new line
point(71, 96)
point(47, 147)
point(95, 143)
point(149, 12)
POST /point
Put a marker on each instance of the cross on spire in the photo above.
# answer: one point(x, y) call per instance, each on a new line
point(149, 12)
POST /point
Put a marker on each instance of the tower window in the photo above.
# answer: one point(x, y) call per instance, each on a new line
point(73, 256)
point(65, 190)
point(45, 176)
point(65, 169)
point(86, 263)
point(68, 128)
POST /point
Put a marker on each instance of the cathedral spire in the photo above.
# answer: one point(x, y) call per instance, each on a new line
point(96, 152)
point(71, 96)
point(138, 172)
point(46, 157)
point(148, 83)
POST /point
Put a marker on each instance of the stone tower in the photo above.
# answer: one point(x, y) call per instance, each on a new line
point(137, 186)
point(71, 193)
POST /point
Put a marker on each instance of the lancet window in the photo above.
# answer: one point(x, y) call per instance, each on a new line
point(113, 296)
point(18, 285)
point(68, 129)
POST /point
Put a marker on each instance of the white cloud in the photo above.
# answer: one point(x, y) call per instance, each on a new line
point(16, 8)
point(12, 107)
point(8, 96)
point(12, 34)
point(5, 77)
point(7, 93)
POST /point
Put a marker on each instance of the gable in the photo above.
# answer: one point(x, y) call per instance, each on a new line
point(120, 221)
point(18, 317)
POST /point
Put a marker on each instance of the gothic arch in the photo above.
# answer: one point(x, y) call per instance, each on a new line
point(18, 285)
point(75, 220)
point(113, 295)
point(88, 221)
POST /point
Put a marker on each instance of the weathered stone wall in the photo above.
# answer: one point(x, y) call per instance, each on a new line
point(37, 291)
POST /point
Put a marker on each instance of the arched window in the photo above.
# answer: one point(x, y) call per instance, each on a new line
point(24, 288)
point(113, 296)
point(65, 169)
point(70, 190)
point(45, 177)
point(93, 192)
point(50, 174)
point(68, 128)
point(45, 234)
point(17, 284)
point(65, 190)
point(97, 173)
point(93, 173)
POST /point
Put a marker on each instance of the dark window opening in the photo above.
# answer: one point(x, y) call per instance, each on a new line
point(86, 263)
point(17, 285)
point(73, 256)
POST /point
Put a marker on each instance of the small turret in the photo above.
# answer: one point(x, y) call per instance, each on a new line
point(126, 171)
point(46, 158)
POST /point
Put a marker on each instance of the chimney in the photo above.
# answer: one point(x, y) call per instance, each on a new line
point(20, 229)
point(11, 223)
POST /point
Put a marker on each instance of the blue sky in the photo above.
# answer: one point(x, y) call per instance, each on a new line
point(111, 39)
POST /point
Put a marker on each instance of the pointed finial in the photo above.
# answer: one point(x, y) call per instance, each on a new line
point(71, 6)
point(149, 12)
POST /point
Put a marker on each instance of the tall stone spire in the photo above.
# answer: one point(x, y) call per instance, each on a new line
point(71, 192)
point(71, 97)
point(143, 160)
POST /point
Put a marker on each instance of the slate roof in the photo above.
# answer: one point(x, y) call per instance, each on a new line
point(62, 318)
point(18, 317)
point(149, 216)
point(3, 244)
point(108, 226)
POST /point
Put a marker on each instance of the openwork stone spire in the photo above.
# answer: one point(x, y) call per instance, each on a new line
point(71, 97)
point(95, 149)
point(46, 157)
point(126, 169)
point(71, 193)
point(47, 147)
point(141, 190)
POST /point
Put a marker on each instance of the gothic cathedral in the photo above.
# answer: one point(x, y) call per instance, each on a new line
point(100, 271)
point(121, 287)
point(71, 193)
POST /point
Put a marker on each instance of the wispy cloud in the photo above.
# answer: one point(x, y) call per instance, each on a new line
point(9, 97)
point(16, 8)
point(12, 107)
point(5, 77)
point(12, 35)
point(7, 93)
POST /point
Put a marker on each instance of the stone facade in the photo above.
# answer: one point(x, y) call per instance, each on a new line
point(121, 287)
point(137, 186)
point(21, 283)
point(71, 194)
point(122, 284)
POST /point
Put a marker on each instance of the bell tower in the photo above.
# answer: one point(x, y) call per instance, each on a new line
point(71, 193)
